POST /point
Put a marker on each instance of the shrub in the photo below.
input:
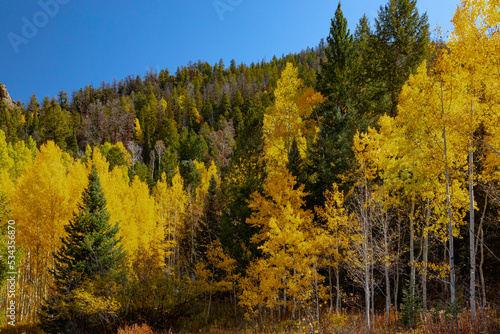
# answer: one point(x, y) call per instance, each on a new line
point(135, 329)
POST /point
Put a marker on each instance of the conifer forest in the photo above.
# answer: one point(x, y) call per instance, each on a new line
point(352, 187)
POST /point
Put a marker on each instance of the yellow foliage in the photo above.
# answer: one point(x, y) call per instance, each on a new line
point(46, 197)
point(205, 176)
point(289, 245)
point(43, 202)
point(163, 104)
point(195, 115)
point(132, 207)
point(171, 202)
point(282, 122)
point(14, 159)
point(334, 238)
point(87, 303)
point(137, 131)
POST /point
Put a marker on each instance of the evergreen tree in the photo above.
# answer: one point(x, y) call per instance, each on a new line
point(225, 106)
point(331, 152)
point(333, 79)
point(54, 123)
point(363, 79)
point(90, 251)
point(401, 44)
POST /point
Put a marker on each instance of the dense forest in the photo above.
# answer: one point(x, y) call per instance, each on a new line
point(351, 187)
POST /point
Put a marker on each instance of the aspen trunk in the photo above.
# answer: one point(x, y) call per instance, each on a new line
point(450, 225)
point(386, 271)
point(412, 245)
point(472, 296)
point(481, 261)
point(338, 305)
point(425, 258)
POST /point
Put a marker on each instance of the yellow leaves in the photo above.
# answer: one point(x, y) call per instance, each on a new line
point(131, 206)
point(171, 203)
point(217, 274)
point(46, 197)
point(163, 104)
point(205, 176)
point(475, 45)
point(288, 242)
point(282, 121)
point(137, 131)
point(14, 159)
point(195, 115)
point(86, 302)
point(333, 237)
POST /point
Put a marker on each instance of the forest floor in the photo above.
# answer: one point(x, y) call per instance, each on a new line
point(332, 323)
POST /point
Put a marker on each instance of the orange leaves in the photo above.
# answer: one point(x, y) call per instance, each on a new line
point(308, 100)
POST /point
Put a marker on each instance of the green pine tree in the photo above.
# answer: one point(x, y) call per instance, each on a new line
point(225, 106)
point(90, 252)
point(333, 79)
point(401, 44)
point(54, 123)
point(331, 152)
point(411, 306)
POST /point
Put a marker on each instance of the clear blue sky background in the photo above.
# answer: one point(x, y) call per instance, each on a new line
point(89, 41)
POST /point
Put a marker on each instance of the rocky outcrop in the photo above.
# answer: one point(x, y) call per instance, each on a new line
point(5, 97)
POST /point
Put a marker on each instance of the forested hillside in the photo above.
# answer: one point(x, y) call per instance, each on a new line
point(353, 186)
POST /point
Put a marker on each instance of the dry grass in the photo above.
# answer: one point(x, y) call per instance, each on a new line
point(345, 323)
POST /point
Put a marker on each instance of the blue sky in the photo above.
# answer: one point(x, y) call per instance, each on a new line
point(48, 45)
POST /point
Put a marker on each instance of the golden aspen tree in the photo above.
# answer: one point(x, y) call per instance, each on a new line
point(206, 174)
point(216, 274)
point(287, 274)
point(474, 45)
point(133, 208)
point(6, 163)
point(43, 201)
point(171, 202)
point(334, 239)
point(421, 161)
point(14, 159)
point(282, 121)
point(306, 102)
point(360, 255)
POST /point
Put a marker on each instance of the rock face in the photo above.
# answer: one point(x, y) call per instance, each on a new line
point(5, 97)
